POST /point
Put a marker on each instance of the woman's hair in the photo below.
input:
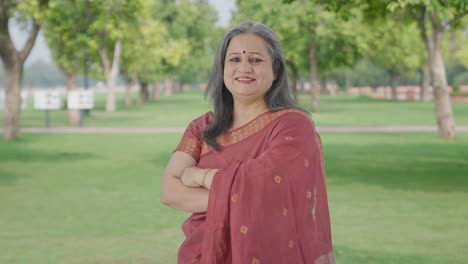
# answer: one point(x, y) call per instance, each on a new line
point(278, 97)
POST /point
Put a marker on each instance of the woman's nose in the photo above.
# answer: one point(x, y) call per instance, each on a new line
point(245, 67)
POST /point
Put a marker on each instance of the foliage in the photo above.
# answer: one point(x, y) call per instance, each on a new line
point(365, 73)
point(396, 47)
point(340, 43)
point(148, 46)
point(193, 23)
point(459, 43)
point(66, 34)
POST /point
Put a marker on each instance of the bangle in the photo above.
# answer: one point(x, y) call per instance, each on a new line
point(204, 176)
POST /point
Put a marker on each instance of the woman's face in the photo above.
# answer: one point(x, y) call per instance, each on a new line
point(248, 69)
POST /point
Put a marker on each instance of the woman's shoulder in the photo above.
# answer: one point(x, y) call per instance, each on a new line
point(292, 119)
point(202, 121)
point(292, 115)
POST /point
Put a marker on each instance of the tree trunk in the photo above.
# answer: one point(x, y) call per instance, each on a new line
point(425, 82)
point(293, 78)
point(143, 95)
point(128, 95)
point(347, 79)
point(12, 109)
point(168, 87)
point(294, 86)
point(111, 72)
point(156, 92)
point(394, 81)
point(323, 86)
point(443, 105)
point(70, 83)
point(111, 99)
point(13, 61)
point(314, 83)
point(131, 83)
point(177, 87)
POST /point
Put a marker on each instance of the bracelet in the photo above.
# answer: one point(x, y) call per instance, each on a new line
point(204, 176)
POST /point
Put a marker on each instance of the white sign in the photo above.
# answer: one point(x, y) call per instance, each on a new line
point(24, 99)
point(47, 100)
point(80, 99)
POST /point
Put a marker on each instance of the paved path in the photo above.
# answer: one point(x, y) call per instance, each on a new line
point(146, 130)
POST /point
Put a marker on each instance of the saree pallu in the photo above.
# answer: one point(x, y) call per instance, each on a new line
point(268, 200)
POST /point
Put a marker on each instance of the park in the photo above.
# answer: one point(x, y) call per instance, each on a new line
point(82, 184)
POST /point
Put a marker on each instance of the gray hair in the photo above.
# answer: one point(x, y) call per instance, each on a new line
point(278, 97)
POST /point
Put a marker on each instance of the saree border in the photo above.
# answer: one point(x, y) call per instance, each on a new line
point(241, 133)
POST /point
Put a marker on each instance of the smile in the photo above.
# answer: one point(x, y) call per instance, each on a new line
point(245, 79)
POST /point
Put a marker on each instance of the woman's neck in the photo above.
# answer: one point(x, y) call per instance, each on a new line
point(244, 113)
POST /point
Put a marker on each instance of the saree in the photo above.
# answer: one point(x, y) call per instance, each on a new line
point(267, 202)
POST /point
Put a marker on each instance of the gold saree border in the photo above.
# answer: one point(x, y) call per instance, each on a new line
point(189, 146)
point(241, 133)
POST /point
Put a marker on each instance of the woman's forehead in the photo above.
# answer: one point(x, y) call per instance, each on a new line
point(247, 43)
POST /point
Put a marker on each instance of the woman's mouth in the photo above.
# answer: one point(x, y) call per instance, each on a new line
point(245, 80)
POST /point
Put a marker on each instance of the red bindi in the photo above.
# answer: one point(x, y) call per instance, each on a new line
point(243, 51)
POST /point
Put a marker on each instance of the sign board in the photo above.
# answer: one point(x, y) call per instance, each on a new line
point(47, 100)
point(24, 99)
point(80, 99)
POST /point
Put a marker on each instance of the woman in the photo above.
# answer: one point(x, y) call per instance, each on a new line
point(251, 171)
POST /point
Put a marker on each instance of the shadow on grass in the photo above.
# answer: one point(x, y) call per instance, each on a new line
point(8, 177)
point(10, 154)
point(420, 167)
point(20, 154)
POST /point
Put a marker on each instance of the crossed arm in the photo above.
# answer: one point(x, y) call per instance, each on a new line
point(184, 186)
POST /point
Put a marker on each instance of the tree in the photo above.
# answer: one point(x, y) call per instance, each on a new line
point(395, 47)
point(33, 13)
point(193, 23)
point(441, 16)
point(196, 22)
point(109, 24)
point(65, 33)
point(151, 48)
point(435, 17)
point(309, 32)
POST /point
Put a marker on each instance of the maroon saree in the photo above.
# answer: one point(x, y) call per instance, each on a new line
point(268, 201)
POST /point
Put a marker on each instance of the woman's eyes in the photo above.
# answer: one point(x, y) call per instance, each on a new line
point(256, 60)
point(252, 60)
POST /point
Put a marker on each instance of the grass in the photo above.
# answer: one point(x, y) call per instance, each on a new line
point(179, 110)
point(394, 198)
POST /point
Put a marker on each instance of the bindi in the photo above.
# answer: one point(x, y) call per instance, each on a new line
point(243, 51)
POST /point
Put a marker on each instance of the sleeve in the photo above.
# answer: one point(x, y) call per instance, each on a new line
point(272, 209)
point(191, 141)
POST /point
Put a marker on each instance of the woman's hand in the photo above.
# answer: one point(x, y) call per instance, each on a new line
point(193, 177)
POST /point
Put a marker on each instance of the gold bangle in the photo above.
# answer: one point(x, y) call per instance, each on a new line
point(204, 176)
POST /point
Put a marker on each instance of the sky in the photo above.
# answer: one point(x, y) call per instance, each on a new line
point(42, 52)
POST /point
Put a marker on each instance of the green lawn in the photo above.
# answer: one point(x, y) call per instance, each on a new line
point(394, 198)
point(179, 110)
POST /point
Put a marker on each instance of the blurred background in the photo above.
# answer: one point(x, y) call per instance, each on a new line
point(95, 95)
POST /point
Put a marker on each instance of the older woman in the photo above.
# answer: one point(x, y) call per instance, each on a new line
point(251, 171)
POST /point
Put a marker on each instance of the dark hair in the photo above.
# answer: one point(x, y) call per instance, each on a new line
point(278, 97)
